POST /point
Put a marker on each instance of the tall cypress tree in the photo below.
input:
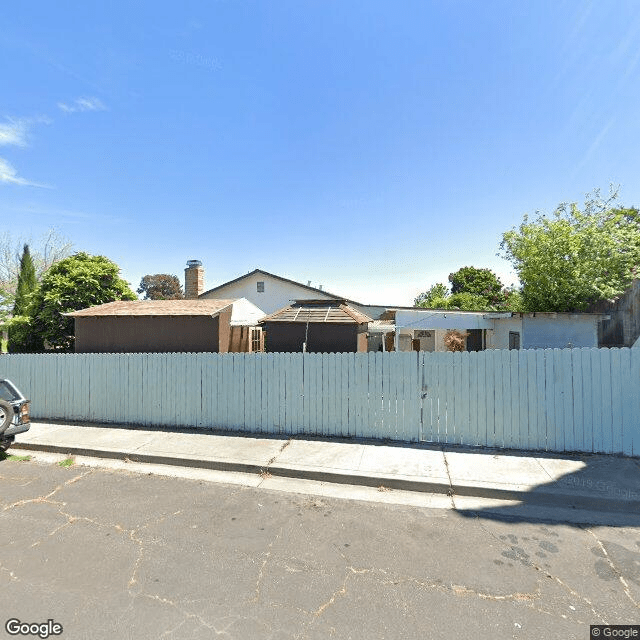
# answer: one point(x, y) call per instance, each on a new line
point(21, 338)
point(27, 283)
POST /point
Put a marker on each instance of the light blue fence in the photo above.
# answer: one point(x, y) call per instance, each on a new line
point(552, 400)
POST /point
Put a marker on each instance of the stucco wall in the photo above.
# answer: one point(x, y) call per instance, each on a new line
point(561, 332)
point(499, 337)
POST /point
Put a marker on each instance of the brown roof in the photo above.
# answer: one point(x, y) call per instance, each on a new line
point(154, 308)
point(334, 311)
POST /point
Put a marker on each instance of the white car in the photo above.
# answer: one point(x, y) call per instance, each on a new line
point(14, 413)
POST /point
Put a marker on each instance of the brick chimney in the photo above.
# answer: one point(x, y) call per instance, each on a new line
point(193, 279)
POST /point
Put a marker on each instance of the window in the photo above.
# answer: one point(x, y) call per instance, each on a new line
point(257, 344)
point(260, 286)
point(514, 340)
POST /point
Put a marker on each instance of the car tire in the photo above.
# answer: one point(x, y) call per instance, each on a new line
point(6, 415)
point(6, 443)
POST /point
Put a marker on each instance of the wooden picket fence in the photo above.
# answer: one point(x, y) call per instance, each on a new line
point(584, 400)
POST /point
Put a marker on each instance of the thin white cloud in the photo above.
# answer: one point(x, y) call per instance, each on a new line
point(14, 132)
point(8, 175)
point(82, 104)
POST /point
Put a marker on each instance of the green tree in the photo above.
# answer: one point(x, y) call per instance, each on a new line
point(74, 283)
point(21, 338)
point(161, 286)
point(27, 283)
point(479, 282)
point(434, 297)
point(472, 289)
point(577, 256)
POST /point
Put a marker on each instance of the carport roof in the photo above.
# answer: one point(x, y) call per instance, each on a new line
point(325, 311)
point(154, 308)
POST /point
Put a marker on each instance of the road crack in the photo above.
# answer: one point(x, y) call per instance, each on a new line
point(614, 568)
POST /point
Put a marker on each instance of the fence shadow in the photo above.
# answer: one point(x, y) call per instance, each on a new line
point(604, 490)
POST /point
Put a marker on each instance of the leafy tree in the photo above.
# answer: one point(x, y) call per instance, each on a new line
point(480, 282)
point(74, 283)
point(472, 289)
point(577, 256)
point(161, 286)
point(21, 338)
point(434, 297)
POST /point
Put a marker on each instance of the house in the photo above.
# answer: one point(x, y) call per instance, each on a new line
point(321, 326)
point(267, 291)
point(394, 328)
point(168, 326)
point(425, 329)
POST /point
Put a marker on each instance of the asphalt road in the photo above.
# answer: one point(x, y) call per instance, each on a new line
point(114, 554)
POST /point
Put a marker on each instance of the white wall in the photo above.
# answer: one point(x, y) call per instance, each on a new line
point(499, 337)
point(277, 294)
point(245, 313)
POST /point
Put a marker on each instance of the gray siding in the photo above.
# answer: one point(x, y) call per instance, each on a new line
point(558, 333)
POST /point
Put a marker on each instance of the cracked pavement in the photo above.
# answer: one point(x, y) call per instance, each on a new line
point(115, 554)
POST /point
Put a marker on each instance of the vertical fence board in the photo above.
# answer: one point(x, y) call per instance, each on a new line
point(567, 384)
point(474, 402)
point(413, 393)
point(492, 406)
point(541, 427)
point(626, 401)
point(633, 438)
point(596, 394)
point(531, 401)
point(558, 391)
point(587, 399)
point(449, 400)
point(523, 382)
point(503, 391)
point(616, 401)
point(578, 404)
point(607, 409)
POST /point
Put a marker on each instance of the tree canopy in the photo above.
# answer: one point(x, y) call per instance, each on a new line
point(161, 286)
point(576, 256)
point(472, 289)
point(77, 282)
point(480, 282)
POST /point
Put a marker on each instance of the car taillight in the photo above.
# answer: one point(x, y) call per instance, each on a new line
point(24, 413)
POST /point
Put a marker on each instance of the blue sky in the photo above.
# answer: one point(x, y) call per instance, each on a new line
point(372, 147)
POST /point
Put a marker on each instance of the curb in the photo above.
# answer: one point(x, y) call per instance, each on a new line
point(537, 498)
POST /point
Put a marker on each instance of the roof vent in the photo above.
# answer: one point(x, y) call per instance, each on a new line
point(191, 264)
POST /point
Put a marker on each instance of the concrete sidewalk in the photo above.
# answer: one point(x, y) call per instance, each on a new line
point(585, 482)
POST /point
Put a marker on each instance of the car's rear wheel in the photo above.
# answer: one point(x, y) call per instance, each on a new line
point(6, 414)
point(5, 443)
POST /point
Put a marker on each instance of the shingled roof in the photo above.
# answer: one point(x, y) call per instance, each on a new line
point(325, 311)
point(154, 308)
